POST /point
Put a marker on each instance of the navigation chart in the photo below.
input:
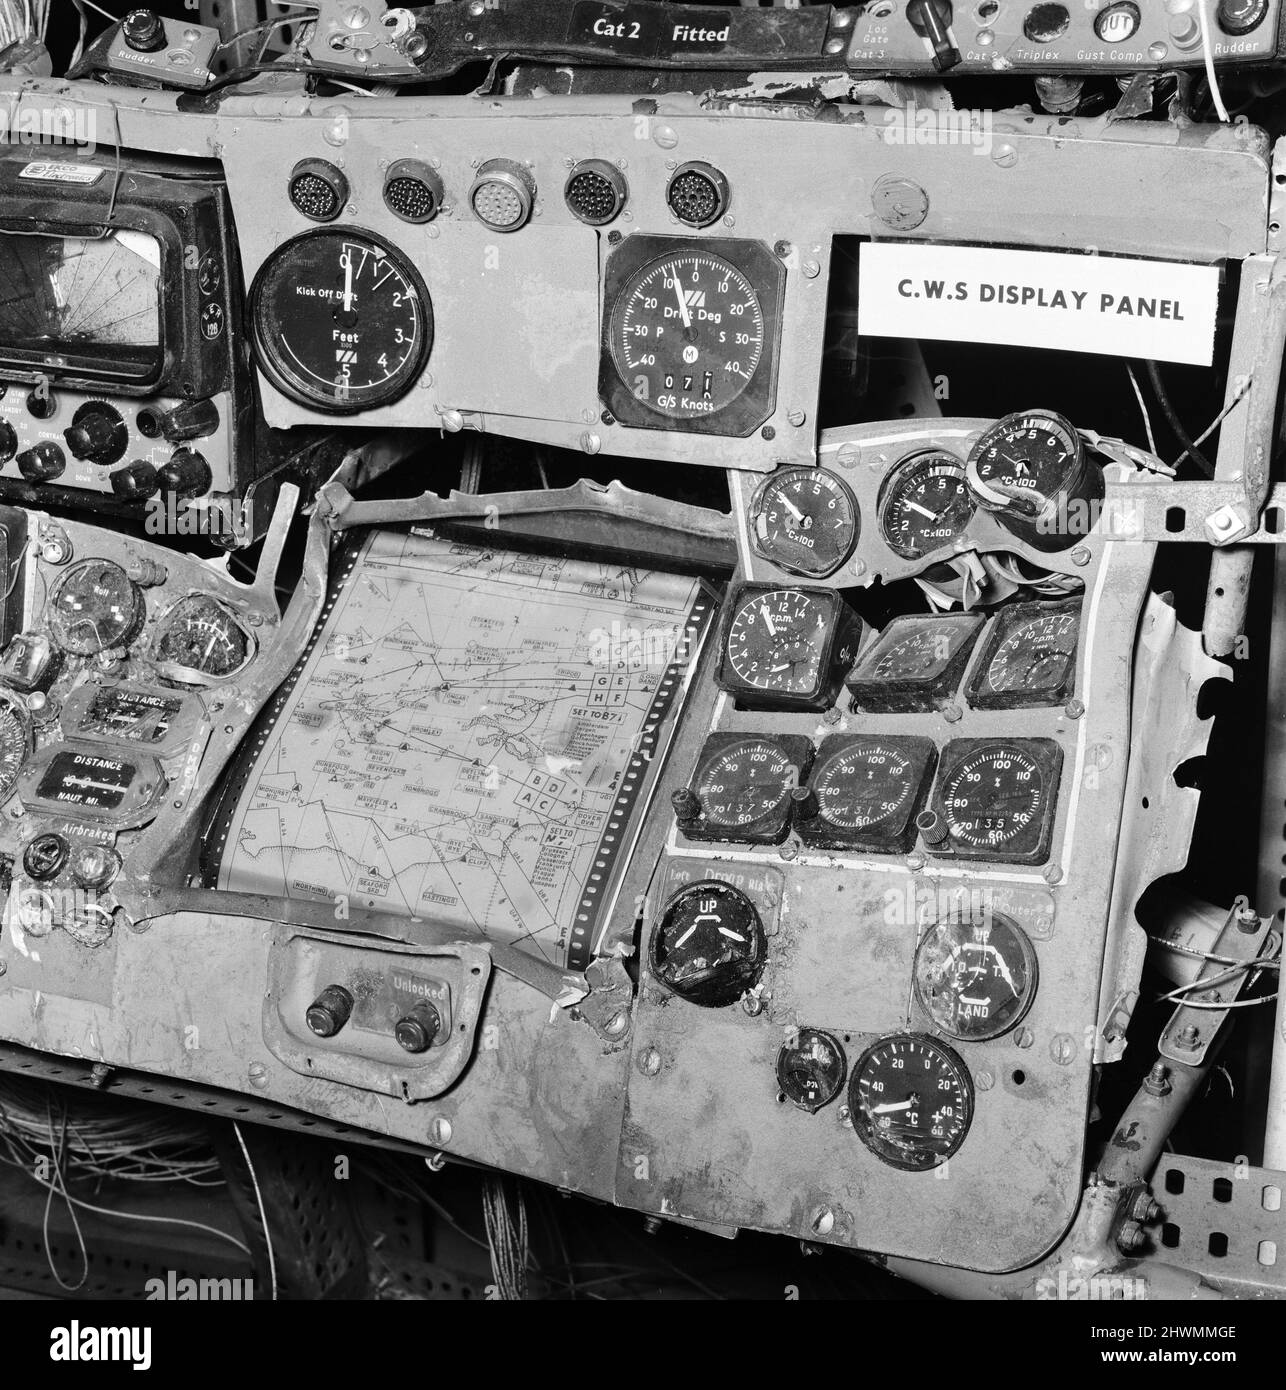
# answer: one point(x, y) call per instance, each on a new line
point(468, 738)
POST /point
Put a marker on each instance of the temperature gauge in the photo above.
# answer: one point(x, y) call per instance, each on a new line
point(1029, 657)
point(787, 649)
point(925, 504)
point(198, 641)
point(910, 1099)
point(916, 663)
point(804, 520)
point(994, 799)
point(709, 947)
point(94, 607)
point(810, 1068)
point(975, 979)
point(865, 792)
point(741, 793)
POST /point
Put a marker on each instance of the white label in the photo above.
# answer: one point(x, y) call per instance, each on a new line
point(53, 171)
point(1156, 310)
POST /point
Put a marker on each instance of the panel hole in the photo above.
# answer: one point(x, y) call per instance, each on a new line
point(1221, 1190)
point(1217, 1244)
point(1274, 518)
point(1176, 519)
point(1267, 1252)
point(1019, 1077)
point(1272, 1198)
point(1174, 1181)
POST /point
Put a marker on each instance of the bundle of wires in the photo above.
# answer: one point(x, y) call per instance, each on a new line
point(22, 21)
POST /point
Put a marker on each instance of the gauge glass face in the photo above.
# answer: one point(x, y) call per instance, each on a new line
point(1038, 654)
point(804, 520)
point(926, 505)
point(911, 1101)
point(93, 608)
point(342, 322)
point(687, 334)
point(994, 796)
point(125, 715)
point(746, 782)
point(916, 649)
point(88, 780)
point(15, 742)
point(872, 785)
point(975, 978)
point(201, 636)
point(810, 1068)
point(1025, 460)
point(709, 946)
point(778, 640)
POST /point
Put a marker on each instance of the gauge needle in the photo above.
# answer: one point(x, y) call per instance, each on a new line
point(890, 1106)
point(794, 510)
point(348, 285)
point(924, 511)
point(683, 305)
point(768, 622)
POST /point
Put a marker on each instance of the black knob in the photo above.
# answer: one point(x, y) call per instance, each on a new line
point(190, 420)
point(135, 481)
point(687, 805)
point(1046, 23)
point(45, 856)
point(933, 827)
point(1240, 16)
point(41, 404)
point(328, 1013)
point(97, 435)
point(8, 441)
point(42, 462)
point(931, 19)
point(416, 1031)
point(186, 475)
point(143, 31)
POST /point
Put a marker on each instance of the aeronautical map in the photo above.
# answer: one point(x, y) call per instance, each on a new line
point(468, 738)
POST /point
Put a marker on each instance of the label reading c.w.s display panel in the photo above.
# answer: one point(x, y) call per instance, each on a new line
point(649, 29)
point(1121, 307)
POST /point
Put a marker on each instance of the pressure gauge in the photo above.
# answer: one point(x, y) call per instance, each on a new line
point(1032, 471)
point(741, 793)
point(975, 978)
point(709, 946)
point(865, 791)
point(804, 520)
point(810, 1068)
point(994, 798)
point(910, 1100)
point(925, 504)
point(1029, 657)
point(915, 664)
point(787, 648)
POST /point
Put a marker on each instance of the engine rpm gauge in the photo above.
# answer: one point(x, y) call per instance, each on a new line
point(925, 504)
point(342, 322)
point(994, 799)
point(94, 607)
point(1029, 658)
point(910, 1099)
point(975, 978)
point(804, 520)
point(916, 663)
point(199, 638)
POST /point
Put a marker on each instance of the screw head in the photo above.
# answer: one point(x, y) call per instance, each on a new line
point(811, 269)
point(953, 714)
point(258, 1074)
point(1052, 873)
point(649, 1062)
point(1081, 555)
point(1062, 1048)
point(613, 238)
point(440, 1131)
point(768, 432)
point(1073, 709)
point(984, 1080)
point(1004, 156)
point(796, 417)
point(1024, 1037)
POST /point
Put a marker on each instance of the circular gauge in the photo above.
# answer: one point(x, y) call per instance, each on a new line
point(994, 795)
point(777, 640)
point(804, 520)
point(709, 947)
point(870, 785)
point(975, 978)
point(810, 1069)
point(15, 741)
point(745, 783)
point(200, 636)
point(342, 322)
point(925, 504)
point(910, 1100)
point(687, 334)
point(94, 607)
point(1037, 655)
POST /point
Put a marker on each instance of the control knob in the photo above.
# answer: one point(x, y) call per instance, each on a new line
point(42, 462)
point(186, 475)
point(416, 1031)
point(97, 435)
point(328, 1013)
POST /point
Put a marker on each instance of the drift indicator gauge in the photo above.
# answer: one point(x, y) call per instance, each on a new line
point(690, 334)
point(342, 322)
point(911, 1101)
point(804, 520)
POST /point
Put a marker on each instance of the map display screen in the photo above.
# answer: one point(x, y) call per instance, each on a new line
point(471, 739)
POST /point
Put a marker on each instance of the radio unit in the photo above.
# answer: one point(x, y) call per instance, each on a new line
point(122, 369)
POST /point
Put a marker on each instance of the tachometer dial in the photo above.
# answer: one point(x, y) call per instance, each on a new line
point(787, 648)
point(94, 607)
point(804, 520)
point(709, 946)
point(865, 791)
point(994, 799)
point(916, 663)
point(741, 793)
point(910, 1099)
point(200, 638)
point(1032, 470)
point(925, 504)
point(810, 1068)
point(342, 322)
point(1029, 658)
point(15, 741)
point(975, 978)
point(690, 334)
